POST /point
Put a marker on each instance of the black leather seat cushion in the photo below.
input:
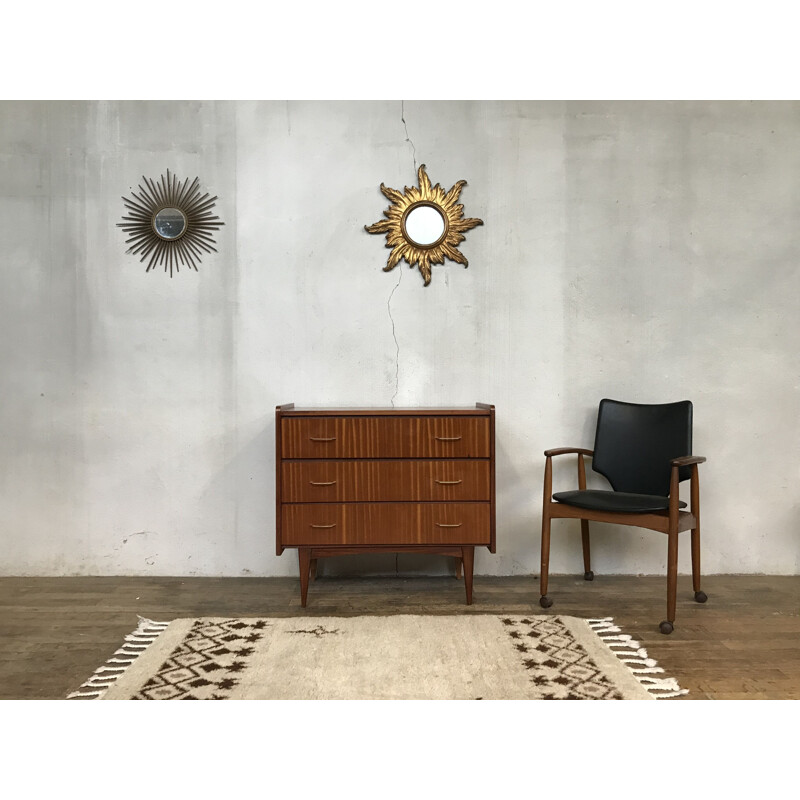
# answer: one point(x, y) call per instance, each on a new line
point(599, 500)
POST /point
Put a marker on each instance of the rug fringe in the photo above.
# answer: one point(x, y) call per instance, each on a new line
point(134, 644)
point(635, 657)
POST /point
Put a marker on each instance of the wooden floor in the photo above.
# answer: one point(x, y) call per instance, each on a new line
point(744, 643)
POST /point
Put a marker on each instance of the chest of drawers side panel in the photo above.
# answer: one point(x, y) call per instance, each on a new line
point(279, 411)
point(492, 485)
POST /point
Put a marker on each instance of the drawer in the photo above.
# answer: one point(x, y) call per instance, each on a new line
point(385, 437)
point(363, 481)
point(355, 524)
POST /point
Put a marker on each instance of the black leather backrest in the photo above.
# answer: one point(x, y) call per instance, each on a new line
point(635, 442)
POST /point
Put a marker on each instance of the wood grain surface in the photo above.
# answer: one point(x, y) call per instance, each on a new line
point(744, 643)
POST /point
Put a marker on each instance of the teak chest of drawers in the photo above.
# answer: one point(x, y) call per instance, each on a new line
point(392, 480)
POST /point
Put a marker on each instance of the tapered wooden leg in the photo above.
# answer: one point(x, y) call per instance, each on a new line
point(587, 557)
point(313, 569)
point(588, 575)
point(304, 555)
point(458, 569)
point(672, 552)
point(696, 558)
point(699, 595)
point(468, 557)
point(672, 574)
point(544, 600)
point(544, 568)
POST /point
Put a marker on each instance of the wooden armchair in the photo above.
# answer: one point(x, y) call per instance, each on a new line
point(643, 451)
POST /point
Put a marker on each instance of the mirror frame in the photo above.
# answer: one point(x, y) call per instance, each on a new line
point(402, 246)
point(196, 237)
point(161, 235)
point(422, 204)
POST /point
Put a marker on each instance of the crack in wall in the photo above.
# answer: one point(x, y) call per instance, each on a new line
point(408, 139)
point(389, 303)
point(400, 274)
point(394, 336)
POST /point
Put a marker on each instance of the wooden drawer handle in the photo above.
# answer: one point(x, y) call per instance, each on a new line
point(448, 483)
point(449, 525)
point(448, 438)
point(322, 483)
point(322, 438)
point(323, 526)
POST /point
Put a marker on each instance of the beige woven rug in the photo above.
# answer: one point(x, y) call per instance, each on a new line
point(469, 657)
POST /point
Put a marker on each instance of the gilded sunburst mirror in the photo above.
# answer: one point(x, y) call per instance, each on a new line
point(424, 225)
point(170, 222)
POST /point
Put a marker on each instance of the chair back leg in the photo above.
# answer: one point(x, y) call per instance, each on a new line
point(695, 500)
point(696, 558)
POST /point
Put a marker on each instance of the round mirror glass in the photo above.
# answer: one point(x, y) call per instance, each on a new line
point(169, 223)
point(424, 225)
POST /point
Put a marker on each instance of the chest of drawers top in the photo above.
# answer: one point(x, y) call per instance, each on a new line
point(479, 409)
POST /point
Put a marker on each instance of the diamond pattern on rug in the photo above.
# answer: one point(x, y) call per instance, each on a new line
point(200, 668)
point(563, 669)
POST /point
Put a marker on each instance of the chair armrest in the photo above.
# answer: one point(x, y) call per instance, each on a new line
point(685, 461)
point(562, 451)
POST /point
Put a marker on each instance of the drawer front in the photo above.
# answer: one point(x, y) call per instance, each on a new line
point(319, 524)
point(365, 481)
point(385, 437)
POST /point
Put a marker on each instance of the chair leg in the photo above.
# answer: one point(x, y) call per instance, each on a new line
point(672, 581)
point(547, 492)
point(699, 595)
point(588, 575)
point(544, 600)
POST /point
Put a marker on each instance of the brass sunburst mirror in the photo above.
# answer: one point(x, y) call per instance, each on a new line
point(424, 225)
point(170, 222)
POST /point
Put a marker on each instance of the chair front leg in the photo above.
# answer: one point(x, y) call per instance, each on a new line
point(672, 580)
point(588, 575)
point(544, 600)
point(672, 553)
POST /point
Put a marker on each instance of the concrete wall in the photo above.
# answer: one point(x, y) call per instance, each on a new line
point(645, 251)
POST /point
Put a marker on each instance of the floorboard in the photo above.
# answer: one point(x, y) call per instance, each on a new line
point(744, 643)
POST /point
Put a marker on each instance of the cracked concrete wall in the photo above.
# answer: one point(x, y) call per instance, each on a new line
point(642, 251)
